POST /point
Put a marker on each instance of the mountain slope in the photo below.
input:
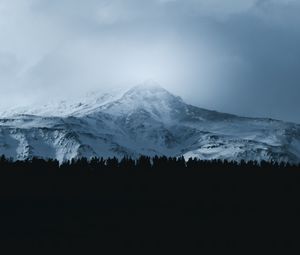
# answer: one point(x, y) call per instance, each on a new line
point(146, 120)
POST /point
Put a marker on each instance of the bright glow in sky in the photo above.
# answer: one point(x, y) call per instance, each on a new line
point(232, 56)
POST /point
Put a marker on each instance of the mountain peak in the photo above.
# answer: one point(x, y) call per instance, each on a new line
point(148, 97)
point(148, 86)
point(146, 120)
point(149, 90)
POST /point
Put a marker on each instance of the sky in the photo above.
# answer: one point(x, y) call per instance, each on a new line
point(241, 57)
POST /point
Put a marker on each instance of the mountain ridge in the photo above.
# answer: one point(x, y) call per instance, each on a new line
point(145, 120)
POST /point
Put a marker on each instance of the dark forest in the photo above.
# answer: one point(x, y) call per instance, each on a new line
point(150, 204)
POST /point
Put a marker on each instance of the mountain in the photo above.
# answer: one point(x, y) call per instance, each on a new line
point(145, 120)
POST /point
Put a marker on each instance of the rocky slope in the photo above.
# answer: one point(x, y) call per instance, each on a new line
point(146, 120)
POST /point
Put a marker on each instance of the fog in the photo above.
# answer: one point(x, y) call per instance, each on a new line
point(234, 56)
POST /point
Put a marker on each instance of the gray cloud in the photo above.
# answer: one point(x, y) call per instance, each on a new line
point(235, 56)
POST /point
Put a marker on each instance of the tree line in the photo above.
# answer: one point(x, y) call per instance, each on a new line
point(150, 203)
point(143, 163)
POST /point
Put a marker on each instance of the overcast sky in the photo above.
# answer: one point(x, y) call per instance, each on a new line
point(237, 56)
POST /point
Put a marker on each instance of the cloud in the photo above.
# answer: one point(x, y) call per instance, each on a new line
point(217, 54)
point(219, 8)
point(8, 64)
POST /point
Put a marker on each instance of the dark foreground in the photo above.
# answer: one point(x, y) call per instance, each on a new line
point(151, 208)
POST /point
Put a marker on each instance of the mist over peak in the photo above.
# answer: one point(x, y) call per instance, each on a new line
point(222, 55)
point(148, 90)
point(149, 84)
point(144, 120)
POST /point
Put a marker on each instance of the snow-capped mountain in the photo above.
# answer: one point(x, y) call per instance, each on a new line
point(145, 120)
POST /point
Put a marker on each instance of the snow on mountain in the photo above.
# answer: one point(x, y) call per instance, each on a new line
point(71, 107)
point(145, 120)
